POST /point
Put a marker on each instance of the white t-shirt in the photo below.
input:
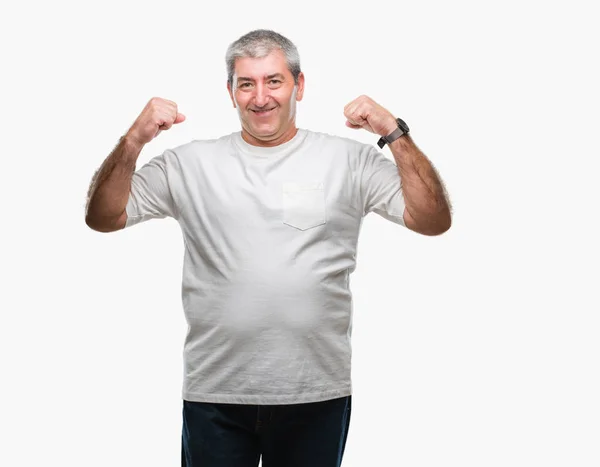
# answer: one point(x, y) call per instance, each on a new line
point(270, 239)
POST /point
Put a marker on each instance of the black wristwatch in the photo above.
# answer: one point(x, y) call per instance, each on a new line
point(394, 135)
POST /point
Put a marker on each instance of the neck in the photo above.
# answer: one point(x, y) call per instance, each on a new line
point(283, 138)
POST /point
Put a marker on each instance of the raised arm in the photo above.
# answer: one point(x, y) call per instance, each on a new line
point(111, 185)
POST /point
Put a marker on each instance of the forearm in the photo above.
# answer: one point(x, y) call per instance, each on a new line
point(109, 190)
point(424, 193)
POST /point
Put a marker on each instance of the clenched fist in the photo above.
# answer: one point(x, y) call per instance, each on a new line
point(158, 115)
point(364, 112)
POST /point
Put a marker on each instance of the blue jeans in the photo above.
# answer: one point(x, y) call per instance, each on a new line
point(293, 435)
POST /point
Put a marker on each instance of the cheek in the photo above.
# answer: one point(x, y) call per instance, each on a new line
point(240, 100)
point(284, 104)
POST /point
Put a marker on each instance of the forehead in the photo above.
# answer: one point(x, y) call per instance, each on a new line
point(258, 68)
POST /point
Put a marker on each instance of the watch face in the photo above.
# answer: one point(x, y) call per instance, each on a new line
point(402, 124)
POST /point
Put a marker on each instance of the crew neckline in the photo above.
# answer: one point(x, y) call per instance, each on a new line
point(266, 152)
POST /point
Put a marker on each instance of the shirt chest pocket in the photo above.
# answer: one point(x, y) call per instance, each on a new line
point(303, 204)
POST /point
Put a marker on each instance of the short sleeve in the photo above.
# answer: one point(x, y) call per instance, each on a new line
point(150, 196)
point(381, 186)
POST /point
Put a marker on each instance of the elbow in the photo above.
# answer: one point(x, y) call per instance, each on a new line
point(103, 227)
point(438, 231)
point(443, 226)
point(433, 228)
point(434, 231)
point(94, 225)
point(90, 222)
point(440, 227)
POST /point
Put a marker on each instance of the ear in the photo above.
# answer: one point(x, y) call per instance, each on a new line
point(230, 94)
point(300, 91)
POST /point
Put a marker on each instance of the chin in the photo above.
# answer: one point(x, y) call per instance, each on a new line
point(265, 131)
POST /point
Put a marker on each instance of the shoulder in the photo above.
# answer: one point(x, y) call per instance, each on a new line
point(196, 145)
point(339, 142)
point(196, 149)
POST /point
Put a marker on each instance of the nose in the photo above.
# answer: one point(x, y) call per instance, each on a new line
point(261, 95)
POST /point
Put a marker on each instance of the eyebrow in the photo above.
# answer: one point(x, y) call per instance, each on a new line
point(274, 75)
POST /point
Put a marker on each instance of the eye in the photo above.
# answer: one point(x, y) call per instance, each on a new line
point(246, 84)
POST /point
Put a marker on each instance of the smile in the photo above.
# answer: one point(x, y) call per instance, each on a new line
point(264, 112)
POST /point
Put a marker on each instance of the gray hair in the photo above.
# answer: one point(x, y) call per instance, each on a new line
point(260, 43)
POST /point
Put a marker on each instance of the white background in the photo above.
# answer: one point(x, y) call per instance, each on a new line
point(475, 348)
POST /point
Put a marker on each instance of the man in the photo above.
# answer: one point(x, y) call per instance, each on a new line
point(270, 217)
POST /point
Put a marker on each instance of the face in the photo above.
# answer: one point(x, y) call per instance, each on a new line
point(265, 84)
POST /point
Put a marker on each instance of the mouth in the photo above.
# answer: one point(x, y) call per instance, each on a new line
point(262, 113)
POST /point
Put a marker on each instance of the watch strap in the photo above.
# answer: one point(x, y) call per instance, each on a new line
point(393, 136)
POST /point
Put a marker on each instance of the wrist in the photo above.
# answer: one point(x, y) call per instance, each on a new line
point(402, 143)
point(130, 149)
point(389, 127)
point(132, 143)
